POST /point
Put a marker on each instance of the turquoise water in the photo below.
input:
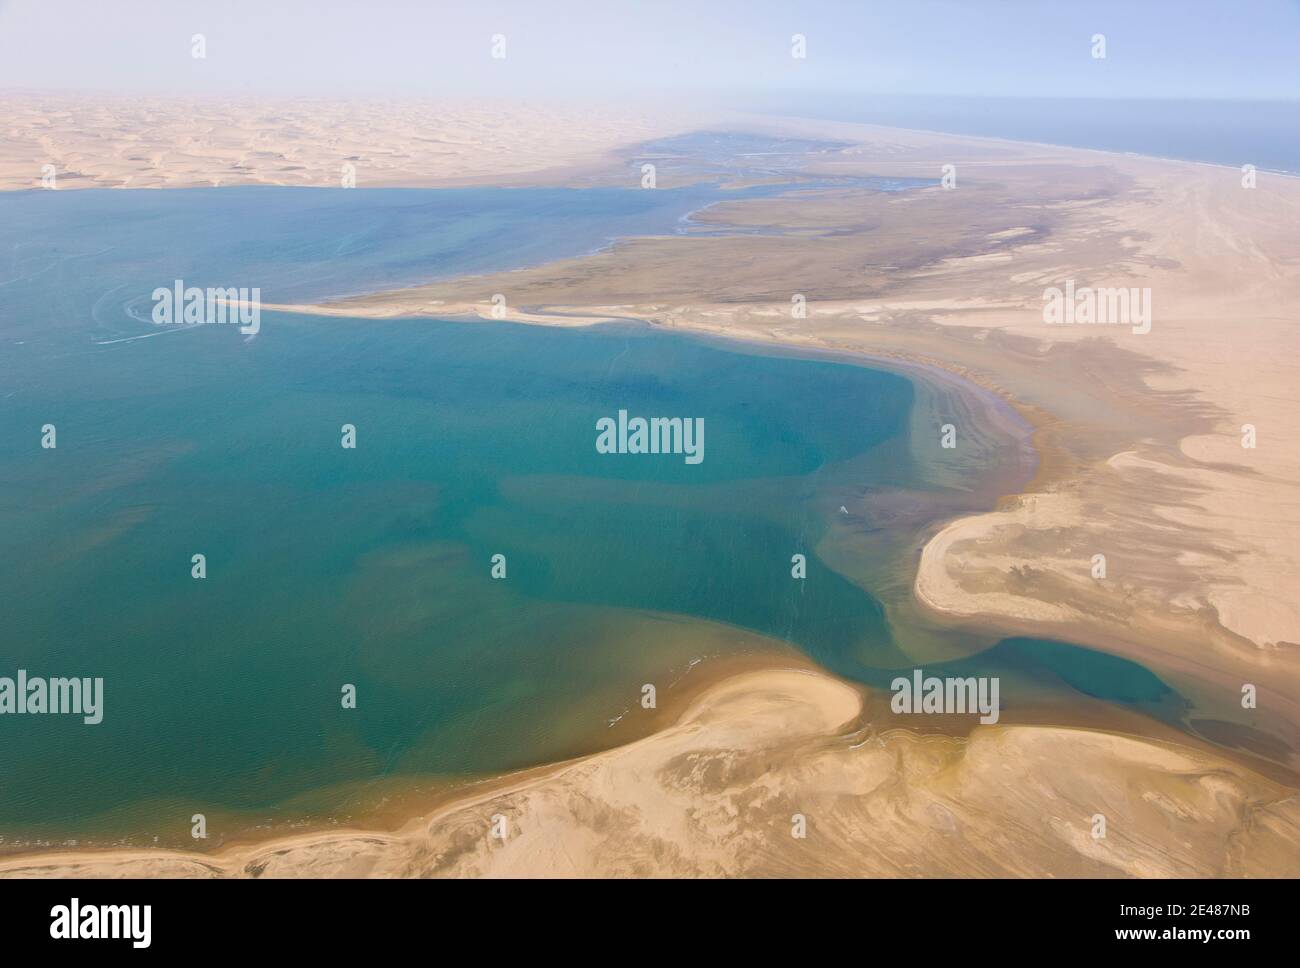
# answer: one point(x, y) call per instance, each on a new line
point(372, 566)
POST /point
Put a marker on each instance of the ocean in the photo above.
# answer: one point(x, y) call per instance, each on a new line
point(1265, 134)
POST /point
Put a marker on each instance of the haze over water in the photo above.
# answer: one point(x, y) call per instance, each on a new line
point(1263, 133)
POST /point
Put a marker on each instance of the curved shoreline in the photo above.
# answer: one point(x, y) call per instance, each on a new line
point(387, 816)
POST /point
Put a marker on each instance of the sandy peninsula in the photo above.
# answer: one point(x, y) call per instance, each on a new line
point(1167, 451)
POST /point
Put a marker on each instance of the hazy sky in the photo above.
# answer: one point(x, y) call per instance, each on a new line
point(1154, 48)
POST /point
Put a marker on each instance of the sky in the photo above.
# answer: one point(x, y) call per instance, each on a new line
point(655, 48)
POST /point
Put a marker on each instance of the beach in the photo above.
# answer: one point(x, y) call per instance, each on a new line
point(1139, 439)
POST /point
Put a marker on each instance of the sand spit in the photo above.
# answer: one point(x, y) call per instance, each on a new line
point(716, 795)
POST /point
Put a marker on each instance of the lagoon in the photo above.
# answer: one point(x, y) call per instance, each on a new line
point(373, 566)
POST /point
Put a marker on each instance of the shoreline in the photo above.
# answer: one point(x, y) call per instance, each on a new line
point(792, 723)
point(386, 803)
point(945, 599)
point(419, 801)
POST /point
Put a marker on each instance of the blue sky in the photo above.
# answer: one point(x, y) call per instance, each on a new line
point(665, 48)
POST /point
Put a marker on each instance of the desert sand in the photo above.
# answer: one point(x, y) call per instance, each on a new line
point(1141, 439)
point(160, 142)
